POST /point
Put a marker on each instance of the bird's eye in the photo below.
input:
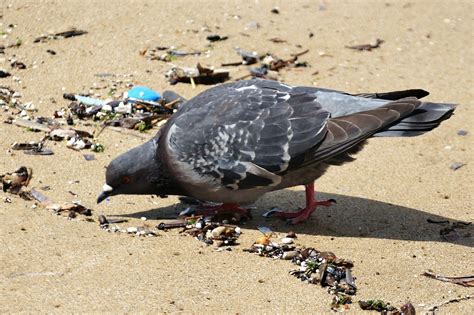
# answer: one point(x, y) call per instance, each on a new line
point(126, 179)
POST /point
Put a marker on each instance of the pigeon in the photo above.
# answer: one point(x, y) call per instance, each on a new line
point(235, 142)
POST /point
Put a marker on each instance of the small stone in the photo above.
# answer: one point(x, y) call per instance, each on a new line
point(143, 218)
point(456, 165)
point(290, 255)
point(287, 240)
point(252, 25)
point(462, 132)
point(275, 10)
point(291, 234)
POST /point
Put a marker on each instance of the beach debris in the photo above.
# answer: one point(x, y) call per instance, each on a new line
point(205, 229)
point(17, 64)
point(15, 181)
point(78, 143)
point(216, 38)
point(465, 281)
point(248, 57)
point(89, 157)
point(66, 34)
point(275, 10)
point(32, 148)
point(456, 165)
point(104, 221)
point(197, 75)
point(377, 305)
point(140, 109)
point(341, 301)
point(172, 225)
point(270, 65)
point(462, 132)
point(367, 47)
point(142, 93)
point(166, 54)
point(8, 97)
point(407, 309)
point(315, 267)
point(455, 300)
point(277, 40)
point(51, 52)
point(31, 125)
point(110, 225)
point(4, 73)
point(252, 25)
point(58, 208)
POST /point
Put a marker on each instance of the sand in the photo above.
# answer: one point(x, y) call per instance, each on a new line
point(51, 264)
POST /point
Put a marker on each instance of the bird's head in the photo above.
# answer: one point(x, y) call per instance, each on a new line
point(133, 172)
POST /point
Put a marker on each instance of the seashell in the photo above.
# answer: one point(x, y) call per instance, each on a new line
point(132, 229)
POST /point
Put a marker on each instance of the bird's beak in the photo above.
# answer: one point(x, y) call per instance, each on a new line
point(106, 192)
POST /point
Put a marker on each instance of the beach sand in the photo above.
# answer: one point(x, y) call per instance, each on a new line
point(50, 264)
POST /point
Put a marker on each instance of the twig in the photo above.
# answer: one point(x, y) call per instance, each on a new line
point(236, 63)
point(127, 132)
point(435, 307)
point(467, 281)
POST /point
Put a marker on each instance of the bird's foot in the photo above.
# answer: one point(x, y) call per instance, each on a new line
point(211, 210)
point(301, 215)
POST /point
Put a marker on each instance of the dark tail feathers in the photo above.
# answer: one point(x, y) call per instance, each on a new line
point(396, 95)
point(425, 118)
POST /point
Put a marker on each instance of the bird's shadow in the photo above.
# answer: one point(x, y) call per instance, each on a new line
point(350, 217)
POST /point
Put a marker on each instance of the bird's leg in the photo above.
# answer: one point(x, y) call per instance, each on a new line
point(311, 204)
point(208, 210)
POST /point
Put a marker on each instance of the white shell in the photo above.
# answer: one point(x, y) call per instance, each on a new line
point(287, 240)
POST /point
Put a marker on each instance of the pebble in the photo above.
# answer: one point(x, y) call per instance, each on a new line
point(290, 255)
point(456, 165)
point(287, 240)
point(143, 218)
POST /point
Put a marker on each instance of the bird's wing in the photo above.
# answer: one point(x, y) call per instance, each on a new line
point(243, 135)
point(345, 132)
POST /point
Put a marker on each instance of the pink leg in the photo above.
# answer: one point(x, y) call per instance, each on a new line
point(305, 213)
point(207, 210)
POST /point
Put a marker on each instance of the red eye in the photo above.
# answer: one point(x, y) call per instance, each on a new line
point(126, 179)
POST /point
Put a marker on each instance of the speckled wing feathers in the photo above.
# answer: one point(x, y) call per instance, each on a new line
point(242, 137)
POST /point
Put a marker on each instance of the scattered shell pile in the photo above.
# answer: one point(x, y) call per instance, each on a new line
point(315, 267)
point(110, 225)
point(206, 229)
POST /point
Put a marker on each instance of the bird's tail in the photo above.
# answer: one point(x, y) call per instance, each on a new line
point(425, 118)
